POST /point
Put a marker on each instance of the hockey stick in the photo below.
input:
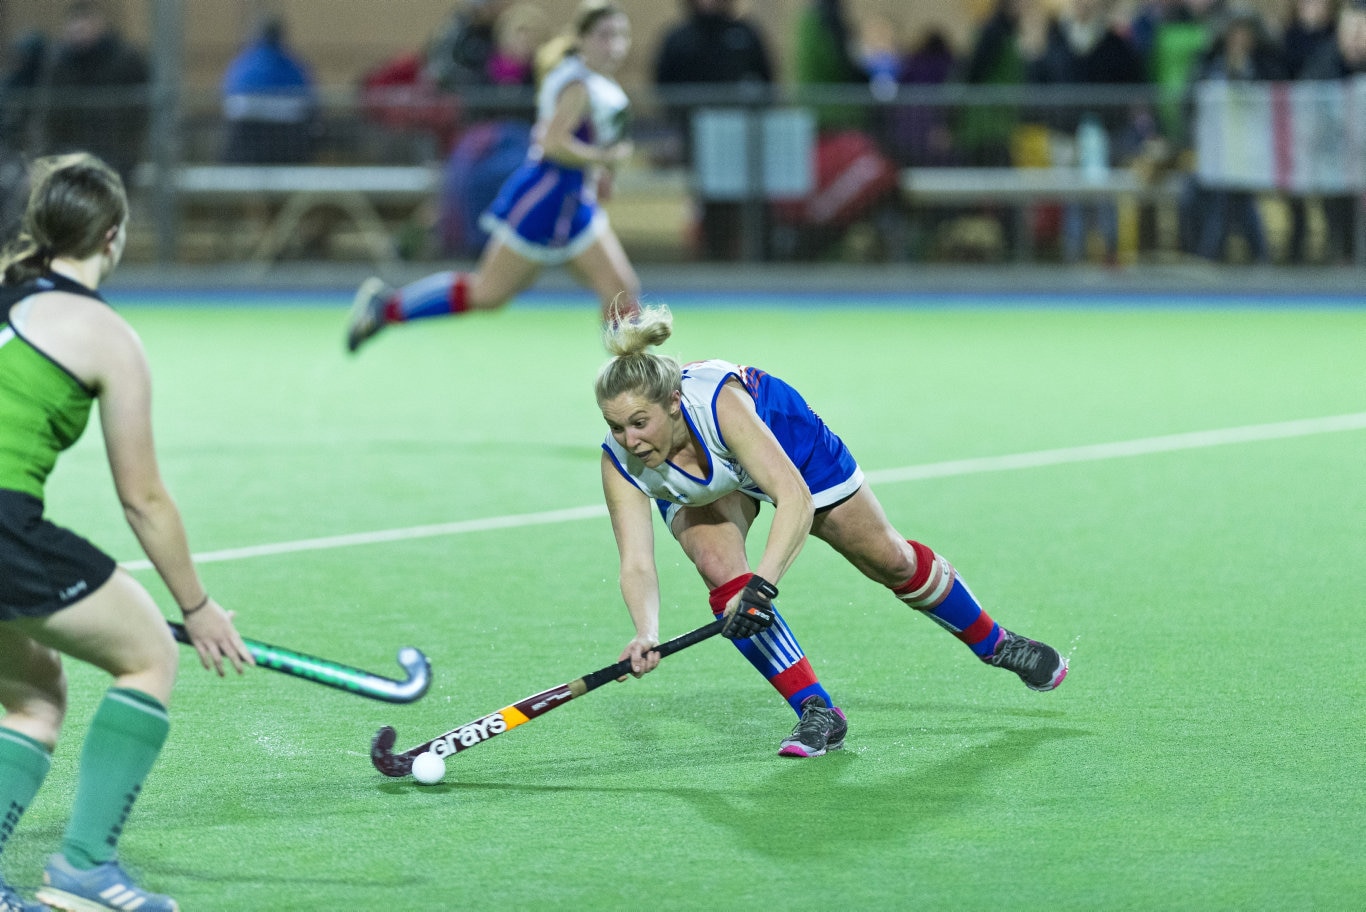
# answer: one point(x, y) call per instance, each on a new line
point(485, 727)
point(343, 677)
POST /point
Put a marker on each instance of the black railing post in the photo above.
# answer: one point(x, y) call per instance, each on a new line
point(168, 72)
point(753, 217)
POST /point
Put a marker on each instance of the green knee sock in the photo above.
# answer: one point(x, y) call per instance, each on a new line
point(124, 740)
point(23, 765)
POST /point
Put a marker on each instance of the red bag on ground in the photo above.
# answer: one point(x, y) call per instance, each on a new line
point(852, 176)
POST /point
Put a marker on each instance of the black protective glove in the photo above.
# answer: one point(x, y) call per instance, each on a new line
point(755, 611)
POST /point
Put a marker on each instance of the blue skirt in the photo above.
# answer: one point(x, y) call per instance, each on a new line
point(827, 466)
point(545, 212)
point(830, 471)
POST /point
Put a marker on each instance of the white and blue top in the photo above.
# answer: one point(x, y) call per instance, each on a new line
point(548, 211)
point(608, 106)
point(825, 463)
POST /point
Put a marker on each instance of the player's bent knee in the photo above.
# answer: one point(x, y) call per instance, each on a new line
point(36, 708)
point(718, 569)
point(166, 659)
point(152, 665)
point(892, 564)
point(158, 681)
point(33, 667)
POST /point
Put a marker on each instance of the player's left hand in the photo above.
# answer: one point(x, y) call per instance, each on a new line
point(606, 180)
point(643, 659)
point(752, 610)
point(215, 638)
point(619, 152)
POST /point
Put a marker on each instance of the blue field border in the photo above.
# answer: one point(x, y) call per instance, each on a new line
point(266, 296)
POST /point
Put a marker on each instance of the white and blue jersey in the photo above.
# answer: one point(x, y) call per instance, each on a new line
point(825, 463)
point(548, 211)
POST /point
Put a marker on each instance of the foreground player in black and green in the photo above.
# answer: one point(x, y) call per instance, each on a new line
point(61, 349)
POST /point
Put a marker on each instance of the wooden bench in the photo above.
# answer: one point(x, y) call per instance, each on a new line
point(1021, 188)
point(360, 191)
point(1015, 188)
point(357, 190)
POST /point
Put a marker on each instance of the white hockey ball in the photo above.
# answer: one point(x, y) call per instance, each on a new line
point(428, 768)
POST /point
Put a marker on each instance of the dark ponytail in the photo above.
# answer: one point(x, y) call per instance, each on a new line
point(74, 201)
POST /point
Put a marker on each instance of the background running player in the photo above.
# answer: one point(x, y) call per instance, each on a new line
point(61, 348)
point(547, 211)
point(708, 442)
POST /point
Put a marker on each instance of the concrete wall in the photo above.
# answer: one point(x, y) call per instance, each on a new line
point(344, 38)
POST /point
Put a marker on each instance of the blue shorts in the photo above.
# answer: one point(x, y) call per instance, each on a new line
point(545, 213)
point(825, 463)
point(43, 567)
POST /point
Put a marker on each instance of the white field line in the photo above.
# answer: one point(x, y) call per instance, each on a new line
point(1097, 451)
point(389, 535)
point(1090, 453)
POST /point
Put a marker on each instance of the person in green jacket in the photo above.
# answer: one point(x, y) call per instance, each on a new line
point(824, 57)
point(984, 131)
point(62, 348)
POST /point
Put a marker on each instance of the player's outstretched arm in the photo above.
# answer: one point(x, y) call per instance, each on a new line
point(633, 528)
point(124, 384)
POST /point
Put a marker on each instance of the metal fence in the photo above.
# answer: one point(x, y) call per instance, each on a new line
point(951, 172)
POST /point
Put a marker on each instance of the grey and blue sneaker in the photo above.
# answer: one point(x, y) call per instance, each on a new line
point(821, 728)
point(104, 887)
point(367, 312)
point(1039, 665)
point(11, 901)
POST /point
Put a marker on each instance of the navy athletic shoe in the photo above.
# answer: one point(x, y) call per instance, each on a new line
point(1039, 665)
point(367, 313)
point(105, 886)
point(821, 728)
point(11, 901)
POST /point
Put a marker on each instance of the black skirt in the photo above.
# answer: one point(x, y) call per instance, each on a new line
point(43, 567)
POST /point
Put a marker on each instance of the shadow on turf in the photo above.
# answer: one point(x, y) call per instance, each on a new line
point(140, 866)
point(836, 800)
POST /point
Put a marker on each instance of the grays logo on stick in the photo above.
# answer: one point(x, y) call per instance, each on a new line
point(485, 727)
point(469, 735)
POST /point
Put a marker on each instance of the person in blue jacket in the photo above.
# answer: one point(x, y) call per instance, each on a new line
point(269, 102)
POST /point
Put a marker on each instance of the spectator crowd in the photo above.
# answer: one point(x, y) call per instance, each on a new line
point(1161, 49)
point(88, 88)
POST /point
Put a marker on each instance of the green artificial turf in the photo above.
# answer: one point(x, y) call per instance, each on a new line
point(1204, 752)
